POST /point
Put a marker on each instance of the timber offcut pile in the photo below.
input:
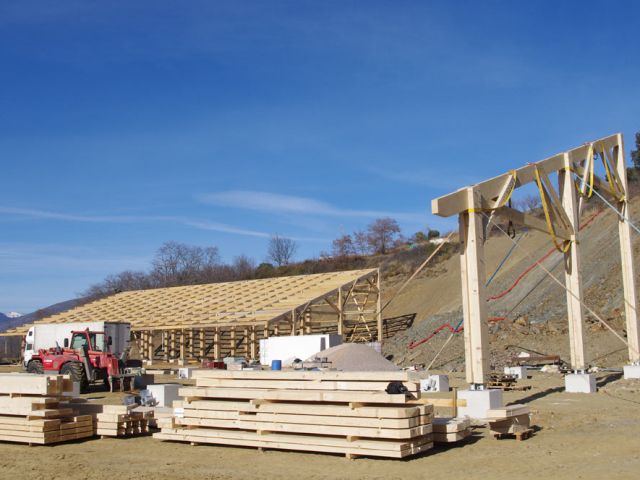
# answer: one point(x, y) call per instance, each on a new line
point(348, 413)
point(122, 421)
point(34, 410)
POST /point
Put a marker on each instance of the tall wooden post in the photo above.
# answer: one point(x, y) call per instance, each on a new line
point(253, 342)
point(379, 307)
point(216, 344)
point(150, 346)
point(626, 255)
point(474, 302)
point(340, 314)
point(183, 341)
point(165, 342)
point(233, 342)
point(202, 344)
point(575, 310)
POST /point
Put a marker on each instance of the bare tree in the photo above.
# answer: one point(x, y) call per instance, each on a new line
point(244, 267)
point(120, 282)
point(529, 203)
point(179, 264)
point(361, 242)
point(343, 246)
point(281, 250)
point(382, 233)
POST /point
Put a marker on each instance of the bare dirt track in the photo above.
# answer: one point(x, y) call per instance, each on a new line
point(580, 436)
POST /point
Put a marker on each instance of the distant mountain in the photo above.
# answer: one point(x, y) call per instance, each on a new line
point(8, 321)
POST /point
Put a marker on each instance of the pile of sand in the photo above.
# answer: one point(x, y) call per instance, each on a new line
point(354, 357)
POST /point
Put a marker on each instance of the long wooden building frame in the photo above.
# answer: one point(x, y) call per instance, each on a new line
point(476, 204)
point(211, 321)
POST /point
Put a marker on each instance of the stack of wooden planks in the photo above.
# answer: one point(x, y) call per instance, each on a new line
point(122, 421)
point(512, 420)
point(450, 430)
point(34, 410)
point(348, 413)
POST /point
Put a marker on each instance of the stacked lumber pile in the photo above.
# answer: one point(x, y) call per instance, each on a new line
point(450, 430)
point(348, 413)
point(122, 421)
point(34, 410)
point(512, 420)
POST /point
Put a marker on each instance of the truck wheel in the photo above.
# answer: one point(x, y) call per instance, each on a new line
point(76, 372)
point(35, 366)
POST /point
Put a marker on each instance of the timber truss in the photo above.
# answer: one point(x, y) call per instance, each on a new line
point(477, 206)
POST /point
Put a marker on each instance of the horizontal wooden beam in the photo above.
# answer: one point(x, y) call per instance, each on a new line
point(457, 202)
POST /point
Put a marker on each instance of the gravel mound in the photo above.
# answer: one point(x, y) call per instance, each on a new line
point(354, 357)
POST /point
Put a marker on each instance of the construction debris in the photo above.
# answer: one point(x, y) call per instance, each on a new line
point(506, 382)
point(34, 410)
point(351, 413)
point(355, 357)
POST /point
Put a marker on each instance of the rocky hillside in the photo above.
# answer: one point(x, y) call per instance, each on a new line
point(535, 309)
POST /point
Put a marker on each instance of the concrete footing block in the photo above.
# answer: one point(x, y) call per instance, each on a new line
point(631, 371)
point(435, 383)
point(479, 402)
point(519, 372)
point(580, 383)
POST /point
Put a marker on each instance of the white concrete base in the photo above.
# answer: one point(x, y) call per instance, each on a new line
point(519, 372)
point(164, 393)
point(631, 371)
point(479, 402)
point(580, 383)
point(435, 383)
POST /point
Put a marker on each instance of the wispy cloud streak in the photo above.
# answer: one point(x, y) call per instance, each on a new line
point(276, 203)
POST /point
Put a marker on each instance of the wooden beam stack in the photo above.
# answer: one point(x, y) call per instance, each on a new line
point(33, 410)
point(122, 421)
point(348, 413)
point(451, 430)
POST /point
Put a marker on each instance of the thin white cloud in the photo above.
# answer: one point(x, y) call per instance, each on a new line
point(190, 222)
point(276, 203)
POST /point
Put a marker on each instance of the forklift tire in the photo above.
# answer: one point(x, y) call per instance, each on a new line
point(76, 372)
point(35, 366)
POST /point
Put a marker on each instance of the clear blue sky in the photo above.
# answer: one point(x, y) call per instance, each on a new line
point(127, 124)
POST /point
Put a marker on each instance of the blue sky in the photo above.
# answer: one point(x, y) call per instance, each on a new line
point(127, 124)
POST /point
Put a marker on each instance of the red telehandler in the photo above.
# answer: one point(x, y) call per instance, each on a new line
point(85, 358)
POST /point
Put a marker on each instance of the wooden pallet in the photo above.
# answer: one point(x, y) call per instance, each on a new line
point(520, 435)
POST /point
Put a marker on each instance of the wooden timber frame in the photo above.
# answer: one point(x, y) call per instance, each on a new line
point(209, 322)
point(351, 311)
point(476, 204)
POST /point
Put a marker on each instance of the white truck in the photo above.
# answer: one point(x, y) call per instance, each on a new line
point(51, 335)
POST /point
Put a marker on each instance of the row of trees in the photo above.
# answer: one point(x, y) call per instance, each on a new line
point(176, 264)
point(380, 236)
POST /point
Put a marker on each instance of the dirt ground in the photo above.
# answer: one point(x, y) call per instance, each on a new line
point(578, 436)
